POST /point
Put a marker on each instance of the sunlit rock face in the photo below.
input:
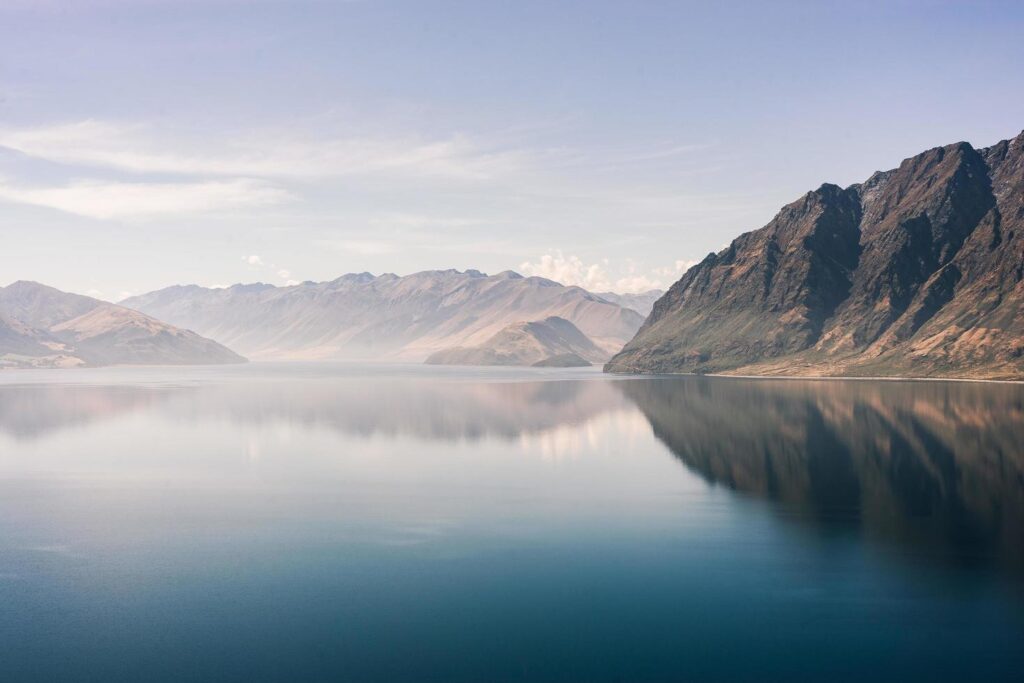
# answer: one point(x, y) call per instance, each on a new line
point(917, 271)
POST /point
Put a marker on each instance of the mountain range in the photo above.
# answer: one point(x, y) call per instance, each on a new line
point(44, 327)
point(384, 317)
point(641, 302)
point(918, 271)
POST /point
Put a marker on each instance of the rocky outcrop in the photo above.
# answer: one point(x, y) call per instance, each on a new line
point(917, 271)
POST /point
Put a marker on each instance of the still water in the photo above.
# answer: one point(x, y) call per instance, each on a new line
point(338, 523)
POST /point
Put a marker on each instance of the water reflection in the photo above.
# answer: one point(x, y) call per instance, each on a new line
point(934, 469)
point(283, 524)
point(410, 407)
point(35, 411)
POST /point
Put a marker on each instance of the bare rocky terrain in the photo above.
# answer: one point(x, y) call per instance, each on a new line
point(918, 271)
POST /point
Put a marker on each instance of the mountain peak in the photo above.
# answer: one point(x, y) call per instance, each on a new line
point(894, 275)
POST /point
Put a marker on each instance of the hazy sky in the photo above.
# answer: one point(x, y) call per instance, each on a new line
point(145, 143)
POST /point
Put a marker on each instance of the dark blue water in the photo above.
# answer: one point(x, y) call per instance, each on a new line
point(329, 523)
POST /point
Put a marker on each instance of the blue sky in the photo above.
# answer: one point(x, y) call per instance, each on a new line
point(608, 144)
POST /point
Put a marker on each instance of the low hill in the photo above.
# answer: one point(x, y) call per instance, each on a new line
point(525, 343)
point(44, 327)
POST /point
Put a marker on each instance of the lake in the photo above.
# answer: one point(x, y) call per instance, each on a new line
point(306, 522)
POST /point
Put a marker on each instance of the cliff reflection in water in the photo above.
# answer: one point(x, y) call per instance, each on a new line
point(929, 468)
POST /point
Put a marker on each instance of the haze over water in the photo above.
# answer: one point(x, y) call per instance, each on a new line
point(332, 522)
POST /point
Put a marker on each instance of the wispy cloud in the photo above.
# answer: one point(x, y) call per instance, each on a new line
point(113, 199)
point(267, 154)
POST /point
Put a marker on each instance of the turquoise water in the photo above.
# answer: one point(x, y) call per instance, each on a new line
point(340, 523)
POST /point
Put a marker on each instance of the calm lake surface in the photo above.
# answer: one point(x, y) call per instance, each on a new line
point(341, 523)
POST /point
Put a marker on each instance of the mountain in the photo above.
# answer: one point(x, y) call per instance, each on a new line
point(563, 360)
point(641, 302)
point(526, 343)
point(918, 271)
point(44, 327)
point(362, 316)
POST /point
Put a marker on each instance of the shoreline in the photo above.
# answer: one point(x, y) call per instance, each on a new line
point(818, 378)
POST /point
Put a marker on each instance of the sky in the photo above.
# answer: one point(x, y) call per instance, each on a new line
point(145, 143)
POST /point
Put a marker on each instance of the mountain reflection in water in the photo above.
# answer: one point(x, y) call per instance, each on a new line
point(936, 468)
point(330, 522)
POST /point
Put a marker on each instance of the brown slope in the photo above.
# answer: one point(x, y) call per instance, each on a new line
point(932, 283)
point(525, 343)
point(43, 326)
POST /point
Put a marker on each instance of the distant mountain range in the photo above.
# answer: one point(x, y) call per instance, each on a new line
point(918, 271)
point(641, 302)
point(44, 327)
point(385, 317)
point(553, 341)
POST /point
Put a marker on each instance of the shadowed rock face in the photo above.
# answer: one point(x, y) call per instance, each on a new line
point(934, 467)
point(917, 271)
point(44, 327)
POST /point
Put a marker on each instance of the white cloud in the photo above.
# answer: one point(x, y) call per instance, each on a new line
point(268, 154)
point(569, 270)
point(112, 199)
point(597, 277)
point(253, 260)
point(675, 271)
point(284, 274)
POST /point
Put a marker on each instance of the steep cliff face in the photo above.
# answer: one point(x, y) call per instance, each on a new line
point(916, 271)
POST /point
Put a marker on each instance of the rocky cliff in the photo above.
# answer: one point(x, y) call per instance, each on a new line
point(918, 271)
